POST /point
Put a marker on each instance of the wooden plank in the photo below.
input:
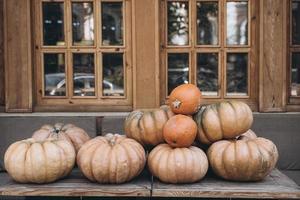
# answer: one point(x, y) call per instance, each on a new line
point(146, 53)
point(76, 185)
point(18, 65)
point(2, 94)
point(276, 185)
point(273, 38)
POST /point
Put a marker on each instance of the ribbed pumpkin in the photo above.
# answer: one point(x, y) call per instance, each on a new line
point(111, 159)
point(225, 120)
point(69, 132)
point(146, 126)
point(244, 159)
point(185, 99)
point(177, 165)
point(31, 161)
point(180, 131)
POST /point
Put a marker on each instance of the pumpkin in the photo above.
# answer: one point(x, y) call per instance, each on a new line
point(245, 159)
point(31, 161)
point(180, 131)
point(177, 165)
point(248, 135)
point(225, 120)
point(146, 126)
point(185, 99)
point(70, 132)
point(111, 159)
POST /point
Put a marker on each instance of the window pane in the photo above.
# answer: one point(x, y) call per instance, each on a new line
point(112, 23)
point(178, 70)
point(237, 23)
point(207, 23)
point(295, 75)
point(296, 22)
point(207, 73)
point(178, 23)
point(54, 74)
point(113, 74)
point(82, 24)
point(83, 74)
point(53, 23)
point(237, 74)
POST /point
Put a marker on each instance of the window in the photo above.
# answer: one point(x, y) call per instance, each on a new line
point(83, 53)
point(210, 43)
point(294, 55)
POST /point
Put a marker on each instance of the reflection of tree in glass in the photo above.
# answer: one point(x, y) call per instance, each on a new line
point(296, 23)
point(207, 72)
point(207, 22)
point(178, 23)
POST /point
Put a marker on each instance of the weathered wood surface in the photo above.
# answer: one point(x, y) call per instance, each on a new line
point(76, 185)
point(1, 55)
point(276, 185)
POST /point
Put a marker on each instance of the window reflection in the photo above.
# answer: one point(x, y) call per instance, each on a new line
point(178, 70)
point(207, 23)
point(178, 23)
point(296, 22)
point(83, 74)
point(113, 74)
point(112, 23)
point(295, 75)
point(237, 23)
point(207, 73)
point(82, 23)
point(237, 74)
point(53, 23)
point(54, 74)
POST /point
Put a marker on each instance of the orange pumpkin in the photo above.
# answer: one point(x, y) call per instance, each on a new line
point(180, 131)
point(185, 99)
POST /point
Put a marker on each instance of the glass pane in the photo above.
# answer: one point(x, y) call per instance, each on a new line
point(178, 70)
point(112, 23)
point(295, 75)
point(178, 23)
point(54, 74)
point(237, 23)
point(296, 22)
point(237, 74)
point(53, 23)
point(83, 74)
point(207, 23)
point(207, 73)
point(113, 74)
point(83, 24)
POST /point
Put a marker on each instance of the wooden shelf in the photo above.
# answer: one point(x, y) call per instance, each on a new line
point(275, 186)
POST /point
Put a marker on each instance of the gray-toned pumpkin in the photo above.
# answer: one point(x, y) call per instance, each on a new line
point(111, 159)
point(146, 125)
point(31, 161)
point(77, 136)
point(224, 120)
point(177, 165)
point(244, 159)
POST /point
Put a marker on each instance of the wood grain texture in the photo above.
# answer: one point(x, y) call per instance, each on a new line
point(76, 185)
point(2, 94)
point(276, 185)
point(18, 65)
point(146, 53)
point(273, 38)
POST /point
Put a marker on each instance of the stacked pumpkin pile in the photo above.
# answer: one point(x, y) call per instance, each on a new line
point(234, 151)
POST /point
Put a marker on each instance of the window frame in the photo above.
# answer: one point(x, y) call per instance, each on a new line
point(99, 102)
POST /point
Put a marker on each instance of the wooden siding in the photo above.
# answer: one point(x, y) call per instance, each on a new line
point(1, 56)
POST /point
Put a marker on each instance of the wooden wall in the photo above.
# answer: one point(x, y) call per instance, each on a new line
point(1, 56)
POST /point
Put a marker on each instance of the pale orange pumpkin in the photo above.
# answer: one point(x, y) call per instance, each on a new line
point(146, 125)
point(225, 120)
point(111, 159)
point(177, 165)
point(245, 159)
point(185, 99)
point(180, 131)
point(77, 136)
point(31, 161)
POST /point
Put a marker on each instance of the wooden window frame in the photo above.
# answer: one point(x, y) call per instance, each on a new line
point(87, 103)
point(222, 49)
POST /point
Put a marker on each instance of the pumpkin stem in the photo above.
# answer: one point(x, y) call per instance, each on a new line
point(176, 103)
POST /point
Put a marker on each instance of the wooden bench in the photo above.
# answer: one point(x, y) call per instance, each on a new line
point(275, 186)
